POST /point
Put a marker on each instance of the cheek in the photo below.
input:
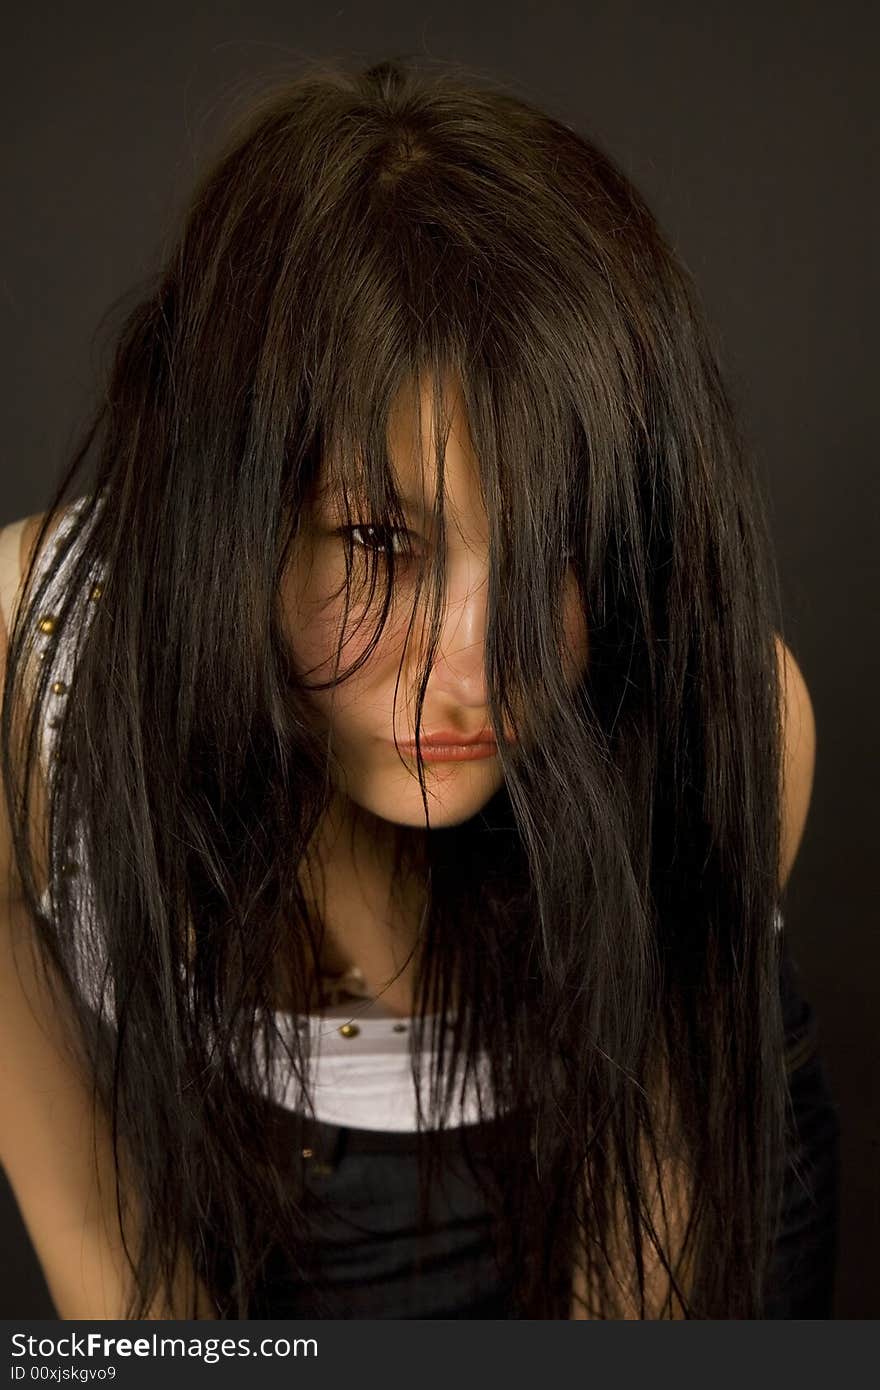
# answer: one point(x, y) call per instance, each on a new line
point(313, 608)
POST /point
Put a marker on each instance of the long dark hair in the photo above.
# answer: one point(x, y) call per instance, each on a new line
point(612, 908)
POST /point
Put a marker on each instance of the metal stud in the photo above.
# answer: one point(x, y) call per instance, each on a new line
point(97, 591)
point(308, 1153)
point(59, 688)
point(47, 624)
point(349, 1030)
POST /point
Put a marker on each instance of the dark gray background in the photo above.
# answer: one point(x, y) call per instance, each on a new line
point(751, 129)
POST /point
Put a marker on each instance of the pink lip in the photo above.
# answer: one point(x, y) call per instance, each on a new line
point(447, 745)
point(452, 736)
point(452, 752)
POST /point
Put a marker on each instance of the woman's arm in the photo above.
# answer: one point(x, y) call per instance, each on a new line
point(669, 1206)
point(798, 763)
point(53, 1153)
point(57, 1155)
point(798, 759)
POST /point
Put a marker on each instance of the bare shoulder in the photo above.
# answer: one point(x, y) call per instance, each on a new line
point(799, 755)
point(29, 528)
point(18, 540)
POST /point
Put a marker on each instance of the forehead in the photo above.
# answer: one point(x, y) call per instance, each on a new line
point(415, 439)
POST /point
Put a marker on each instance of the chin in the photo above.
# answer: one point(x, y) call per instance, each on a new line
point(449, 804)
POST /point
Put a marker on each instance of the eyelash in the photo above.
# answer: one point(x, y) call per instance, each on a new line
point(408, 551)
point(405, 554)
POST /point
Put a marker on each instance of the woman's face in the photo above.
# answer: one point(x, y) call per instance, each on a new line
point(360, 712)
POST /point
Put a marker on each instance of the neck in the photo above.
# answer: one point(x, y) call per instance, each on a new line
point(364, 879)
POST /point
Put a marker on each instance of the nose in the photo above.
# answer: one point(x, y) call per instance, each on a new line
point(459, 670)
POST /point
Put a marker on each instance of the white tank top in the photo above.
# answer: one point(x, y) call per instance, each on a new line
point(360, 1071)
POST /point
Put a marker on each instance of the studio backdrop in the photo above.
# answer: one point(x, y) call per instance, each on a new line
point(750, 130)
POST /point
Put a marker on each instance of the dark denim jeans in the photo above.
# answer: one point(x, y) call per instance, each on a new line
point(376, 1264)
point(375, 1259)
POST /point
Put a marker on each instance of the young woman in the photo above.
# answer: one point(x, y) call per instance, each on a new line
point(404, 765)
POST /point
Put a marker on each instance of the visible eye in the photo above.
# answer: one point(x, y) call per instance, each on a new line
point(378, 539)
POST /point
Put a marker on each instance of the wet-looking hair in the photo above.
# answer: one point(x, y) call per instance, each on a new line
point(612, 907)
